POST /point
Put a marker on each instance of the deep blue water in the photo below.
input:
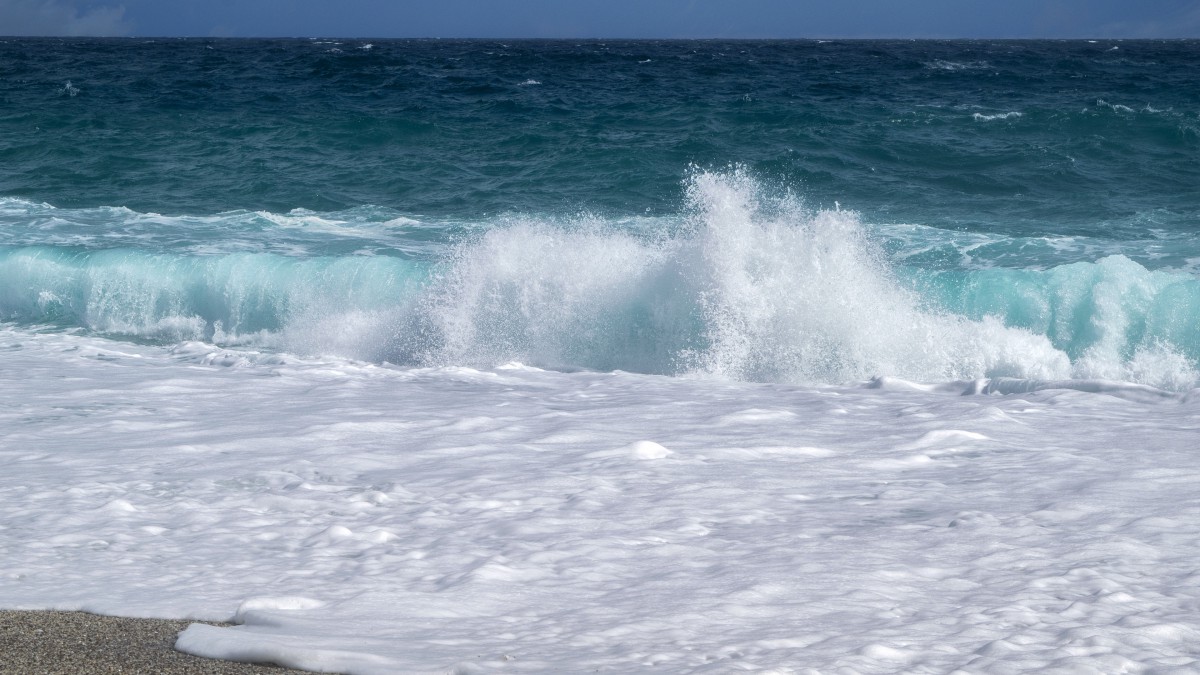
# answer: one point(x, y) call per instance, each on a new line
point(665, 207)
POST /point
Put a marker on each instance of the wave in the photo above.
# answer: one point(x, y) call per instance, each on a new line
point(267, 300)
point(299, 232)
point(1113, 318)
point(746, 285)
point(980, 117)
point(761, 289)
point(955, 66)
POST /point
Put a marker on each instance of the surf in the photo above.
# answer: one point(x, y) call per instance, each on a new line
point(747, 282)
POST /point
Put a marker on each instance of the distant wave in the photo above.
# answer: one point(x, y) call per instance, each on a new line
point(980, 117)
point(953, 66)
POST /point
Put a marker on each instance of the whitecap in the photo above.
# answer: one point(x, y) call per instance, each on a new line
point(952, 66)
point(980, 117)
point(1115, 107)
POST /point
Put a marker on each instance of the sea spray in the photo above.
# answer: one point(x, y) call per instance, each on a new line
point(759, 287)
point(791, 294)
point(562, 296)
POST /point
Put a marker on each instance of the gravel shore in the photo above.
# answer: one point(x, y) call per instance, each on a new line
point(77, 643)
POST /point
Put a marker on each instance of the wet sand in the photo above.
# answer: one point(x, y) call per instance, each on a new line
point(73, 643)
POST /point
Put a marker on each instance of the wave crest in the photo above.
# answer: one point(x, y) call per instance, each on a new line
point(756, 289)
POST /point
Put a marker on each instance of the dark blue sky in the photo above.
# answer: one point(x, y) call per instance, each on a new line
point(605, 18)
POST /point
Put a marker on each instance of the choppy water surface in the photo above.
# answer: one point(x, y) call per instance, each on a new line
point(784, 211)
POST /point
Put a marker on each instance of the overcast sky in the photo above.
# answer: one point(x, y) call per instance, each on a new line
point(605, 18)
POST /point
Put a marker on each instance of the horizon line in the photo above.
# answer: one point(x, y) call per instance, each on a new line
point(601, 39)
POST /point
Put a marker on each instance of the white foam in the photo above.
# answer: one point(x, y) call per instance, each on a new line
point(1115, 107)
point(267, 604)
point(641, 450)
point(370, 519)
point(980, 117)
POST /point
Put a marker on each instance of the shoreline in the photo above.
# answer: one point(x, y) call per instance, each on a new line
point(52, 642)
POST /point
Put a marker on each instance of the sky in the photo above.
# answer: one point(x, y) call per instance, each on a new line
point(606, 18)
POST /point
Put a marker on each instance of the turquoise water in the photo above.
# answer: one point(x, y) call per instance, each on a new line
point(783, 211)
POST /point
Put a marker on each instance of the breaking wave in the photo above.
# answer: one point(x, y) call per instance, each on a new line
point(747, 285)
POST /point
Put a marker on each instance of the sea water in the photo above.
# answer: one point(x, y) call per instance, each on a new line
point(566, 355)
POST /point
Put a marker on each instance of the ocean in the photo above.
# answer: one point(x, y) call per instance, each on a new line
point(561, 356)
